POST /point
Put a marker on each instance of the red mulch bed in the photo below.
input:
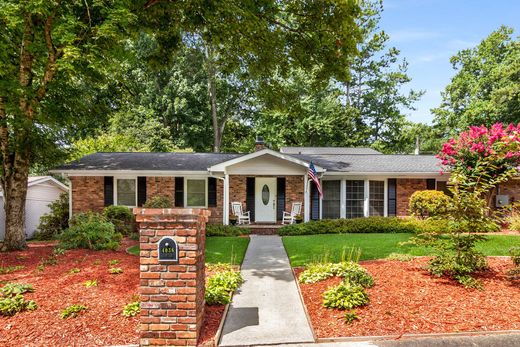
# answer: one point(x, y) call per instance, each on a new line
point(102, 324)
point(406, 299)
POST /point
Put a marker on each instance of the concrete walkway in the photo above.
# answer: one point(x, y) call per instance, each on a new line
point(267, 309)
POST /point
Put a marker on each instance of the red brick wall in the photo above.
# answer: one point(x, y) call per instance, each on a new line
point(405, 188)
point(87, 193)
point(217, 212)
point(172, 295)
point(163, 186)
point(511, 188)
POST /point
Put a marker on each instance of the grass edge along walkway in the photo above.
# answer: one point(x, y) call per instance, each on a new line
point(332, 247)
point(219, 249)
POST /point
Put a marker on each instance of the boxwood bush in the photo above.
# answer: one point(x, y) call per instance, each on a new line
point(225, 230)
point(353, 226)
point(122, 218)
point(92, 231)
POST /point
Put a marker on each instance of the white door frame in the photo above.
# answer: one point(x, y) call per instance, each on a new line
point(265, 212)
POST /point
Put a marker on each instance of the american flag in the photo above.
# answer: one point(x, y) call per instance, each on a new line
point(314, 176)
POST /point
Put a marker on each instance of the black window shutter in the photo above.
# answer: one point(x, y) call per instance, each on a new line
point(250, 196)
point(430, 184)
point(280, 197)
point(109, 190)
point(315, 202)
point(141, 190)
point(212, 192)
point(179, 191)
point(392, 197)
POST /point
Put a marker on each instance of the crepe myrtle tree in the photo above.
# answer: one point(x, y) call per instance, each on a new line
point(478, 160)
point(48, 50)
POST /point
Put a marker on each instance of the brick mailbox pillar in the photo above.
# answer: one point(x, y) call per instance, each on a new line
point(171, 287)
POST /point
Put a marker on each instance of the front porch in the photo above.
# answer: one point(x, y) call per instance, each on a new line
point(262, 228)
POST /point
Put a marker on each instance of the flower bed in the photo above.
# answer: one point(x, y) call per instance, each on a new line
point(406, 299)
point(57, 287)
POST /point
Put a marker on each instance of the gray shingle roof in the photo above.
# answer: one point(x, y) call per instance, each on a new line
point(328, 150)
point(148, 161)
point(353, 163)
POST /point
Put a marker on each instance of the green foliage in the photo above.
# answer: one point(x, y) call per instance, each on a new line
point(459, 266)
point(158, 201)
point(74, 270)
point(115, 270)
point(219, 267)
point(72, 311)
point(113, 262)
point(400, 257)
point(515, 255)
point(485, 87)
point(357, 225)
point(12, 289)
point(514, 223)
point(225, 230)
point(122, 218)
point(58, 251)
point(9, 306)
point(10, 269)
point(90, 231)
point(12, 300)
point(90, 283)
point(220, 286)
point(349, 271)
point(345, 296)
point(429, 203)
point(52, 223)
point(132, 309)
point(351, 316)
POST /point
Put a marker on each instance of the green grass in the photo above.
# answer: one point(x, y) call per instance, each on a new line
point(226, 249)
point(312, 248)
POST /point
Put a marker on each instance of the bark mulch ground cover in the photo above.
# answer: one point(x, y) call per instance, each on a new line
point(56, 288)
point(406, 299)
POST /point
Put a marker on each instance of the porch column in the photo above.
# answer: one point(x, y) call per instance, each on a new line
point(225, 209)
point(306, 199)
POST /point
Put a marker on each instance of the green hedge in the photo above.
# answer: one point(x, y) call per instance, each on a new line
point(363, 225)
point(225, 230)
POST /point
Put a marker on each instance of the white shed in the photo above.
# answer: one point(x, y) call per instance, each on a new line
point(41, 191)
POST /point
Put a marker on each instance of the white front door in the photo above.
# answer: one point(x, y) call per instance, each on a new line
point(265, 199)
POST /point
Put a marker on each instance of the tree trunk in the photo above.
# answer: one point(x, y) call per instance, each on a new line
point(212, 95)
point(15, 192)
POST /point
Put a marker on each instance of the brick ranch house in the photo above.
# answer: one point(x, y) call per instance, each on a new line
point(357, 182)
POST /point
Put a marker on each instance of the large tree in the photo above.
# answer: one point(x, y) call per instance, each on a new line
point(486, 86)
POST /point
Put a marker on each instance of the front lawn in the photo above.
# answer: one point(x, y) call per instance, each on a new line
point(330, 247)
point(221, 249)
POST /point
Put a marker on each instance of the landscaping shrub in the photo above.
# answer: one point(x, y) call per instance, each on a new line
point(428, 203)
point(12, 300)
point(400, 257)
point(345, 296)
point(221, 285)
point(351, 226)
point(72, 311)
point(92, 231)
point(52, 223)
point(225, 230)
point(132, 309)
point(514, 223)
point(158, 202)
point(11, 268)
point(515, 255)
point(349, 271)
point(351, 316)
point(122, 218)
point(115, 270)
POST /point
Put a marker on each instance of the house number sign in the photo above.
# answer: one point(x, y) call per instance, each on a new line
point(168, 250)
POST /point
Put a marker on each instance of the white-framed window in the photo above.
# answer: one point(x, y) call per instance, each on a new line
point(195, 192)
point(376, 202)
point(125, 192)
point(331, 199)
point(354, 198)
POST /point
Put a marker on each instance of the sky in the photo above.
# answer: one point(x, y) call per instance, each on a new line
point(429, 32)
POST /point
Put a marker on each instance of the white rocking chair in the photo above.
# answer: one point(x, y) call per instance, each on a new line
point(290, 217)
point(242, 217)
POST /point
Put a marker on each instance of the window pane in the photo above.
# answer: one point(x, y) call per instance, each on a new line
point(354, 198)
point(126, 192)
point(376, 203)
point(331, 199)
point(196, 193)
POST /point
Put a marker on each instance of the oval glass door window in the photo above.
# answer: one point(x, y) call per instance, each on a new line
point(265, 194)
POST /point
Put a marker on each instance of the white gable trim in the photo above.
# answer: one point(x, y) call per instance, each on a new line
point(50, 179)
point(221, 167)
